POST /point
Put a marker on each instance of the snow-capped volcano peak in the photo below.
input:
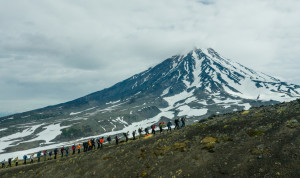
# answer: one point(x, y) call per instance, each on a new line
point(207, 70)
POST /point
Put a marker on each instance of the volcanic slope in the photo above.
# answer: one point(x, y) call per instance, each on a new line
point(197, 84)
point(261, 142)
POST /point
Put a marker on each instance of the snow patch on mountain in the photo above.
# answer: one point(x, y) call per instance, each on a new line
point(3, 129)
point(228, 102)
point(166, 91)
point(51, 131)
point(190, 112)
point(103, 128)
point(16, 137)
point(181, 96)
point(203, 102)
point(113, 102)
point(121, 120)
point(74, 113)
point(191, 99)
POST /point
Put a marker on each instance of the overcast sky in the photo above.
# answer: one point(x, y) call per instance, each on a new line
point(58, 50)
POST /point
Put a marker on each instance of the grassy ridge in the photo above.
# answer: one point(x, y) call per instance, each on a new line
point(263, 141)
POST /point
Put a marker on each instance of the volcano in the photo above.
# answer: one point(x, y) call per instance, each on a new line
point(197, 85)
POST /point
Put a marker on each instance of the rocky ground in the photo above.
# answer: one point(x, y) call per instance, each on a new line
point(261, 142)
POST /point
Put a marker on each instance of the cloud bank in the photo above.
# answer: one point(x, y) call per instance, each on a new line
point(55, 51)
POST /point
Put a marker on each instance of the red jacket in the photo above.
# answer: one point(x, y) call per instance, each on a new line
point(101, 140)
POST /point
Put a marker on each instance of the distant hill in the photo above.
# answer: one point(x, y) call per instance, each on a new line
point(261, 142)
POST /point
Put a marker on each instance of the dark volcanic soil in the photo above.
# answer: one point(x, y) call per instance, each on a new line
point(261, 142)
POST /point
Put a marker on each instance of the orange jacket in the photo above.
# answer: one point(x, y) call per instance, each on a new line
point(78, 147)
point(101, 140)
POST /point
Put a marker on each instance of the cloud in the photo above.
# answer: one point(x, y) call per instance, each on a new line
point(55, 51)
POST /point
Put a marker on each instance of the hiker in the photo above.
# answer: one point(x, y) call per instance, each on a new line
point(140, 130)
point(73, 148)
point(117, 140)
point(108, 139)
point(176, 124)
point(38, 155)
point(62, 151)
point(98, 143)
point(101, 142)
point(16, 160)
point(146, 131)
point(90, 145)
point(9, 162)
point(3, 163)
point(153, 129)
point(31, 158)
point(78, 148)
point(83, 145)
point(45, 154)
point(183, 121)
point(133, 134)
point(93, 143)
point(169, 126)
point(86, 146)
point(67, 151)
point(126, 136)
point(50, 154)
point(24, 158)
point(55, 153)
point(161, 126)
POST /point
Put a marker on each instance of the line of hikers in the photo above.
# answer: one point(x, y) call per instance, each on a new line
point(91, 144)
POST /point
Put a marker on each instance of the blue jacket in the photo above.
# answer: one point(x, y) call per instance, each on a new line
point(169, 124)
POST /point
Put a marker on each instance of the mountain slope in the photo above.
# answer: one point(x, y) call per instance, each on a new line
point(261, 142)
point(197, 84)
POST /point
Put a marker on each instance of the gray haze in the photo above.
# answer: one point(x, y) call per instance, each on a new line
point(58, 50)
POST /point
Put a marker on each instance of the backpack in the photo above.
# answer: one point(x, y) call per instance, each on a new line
point(125, 134)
